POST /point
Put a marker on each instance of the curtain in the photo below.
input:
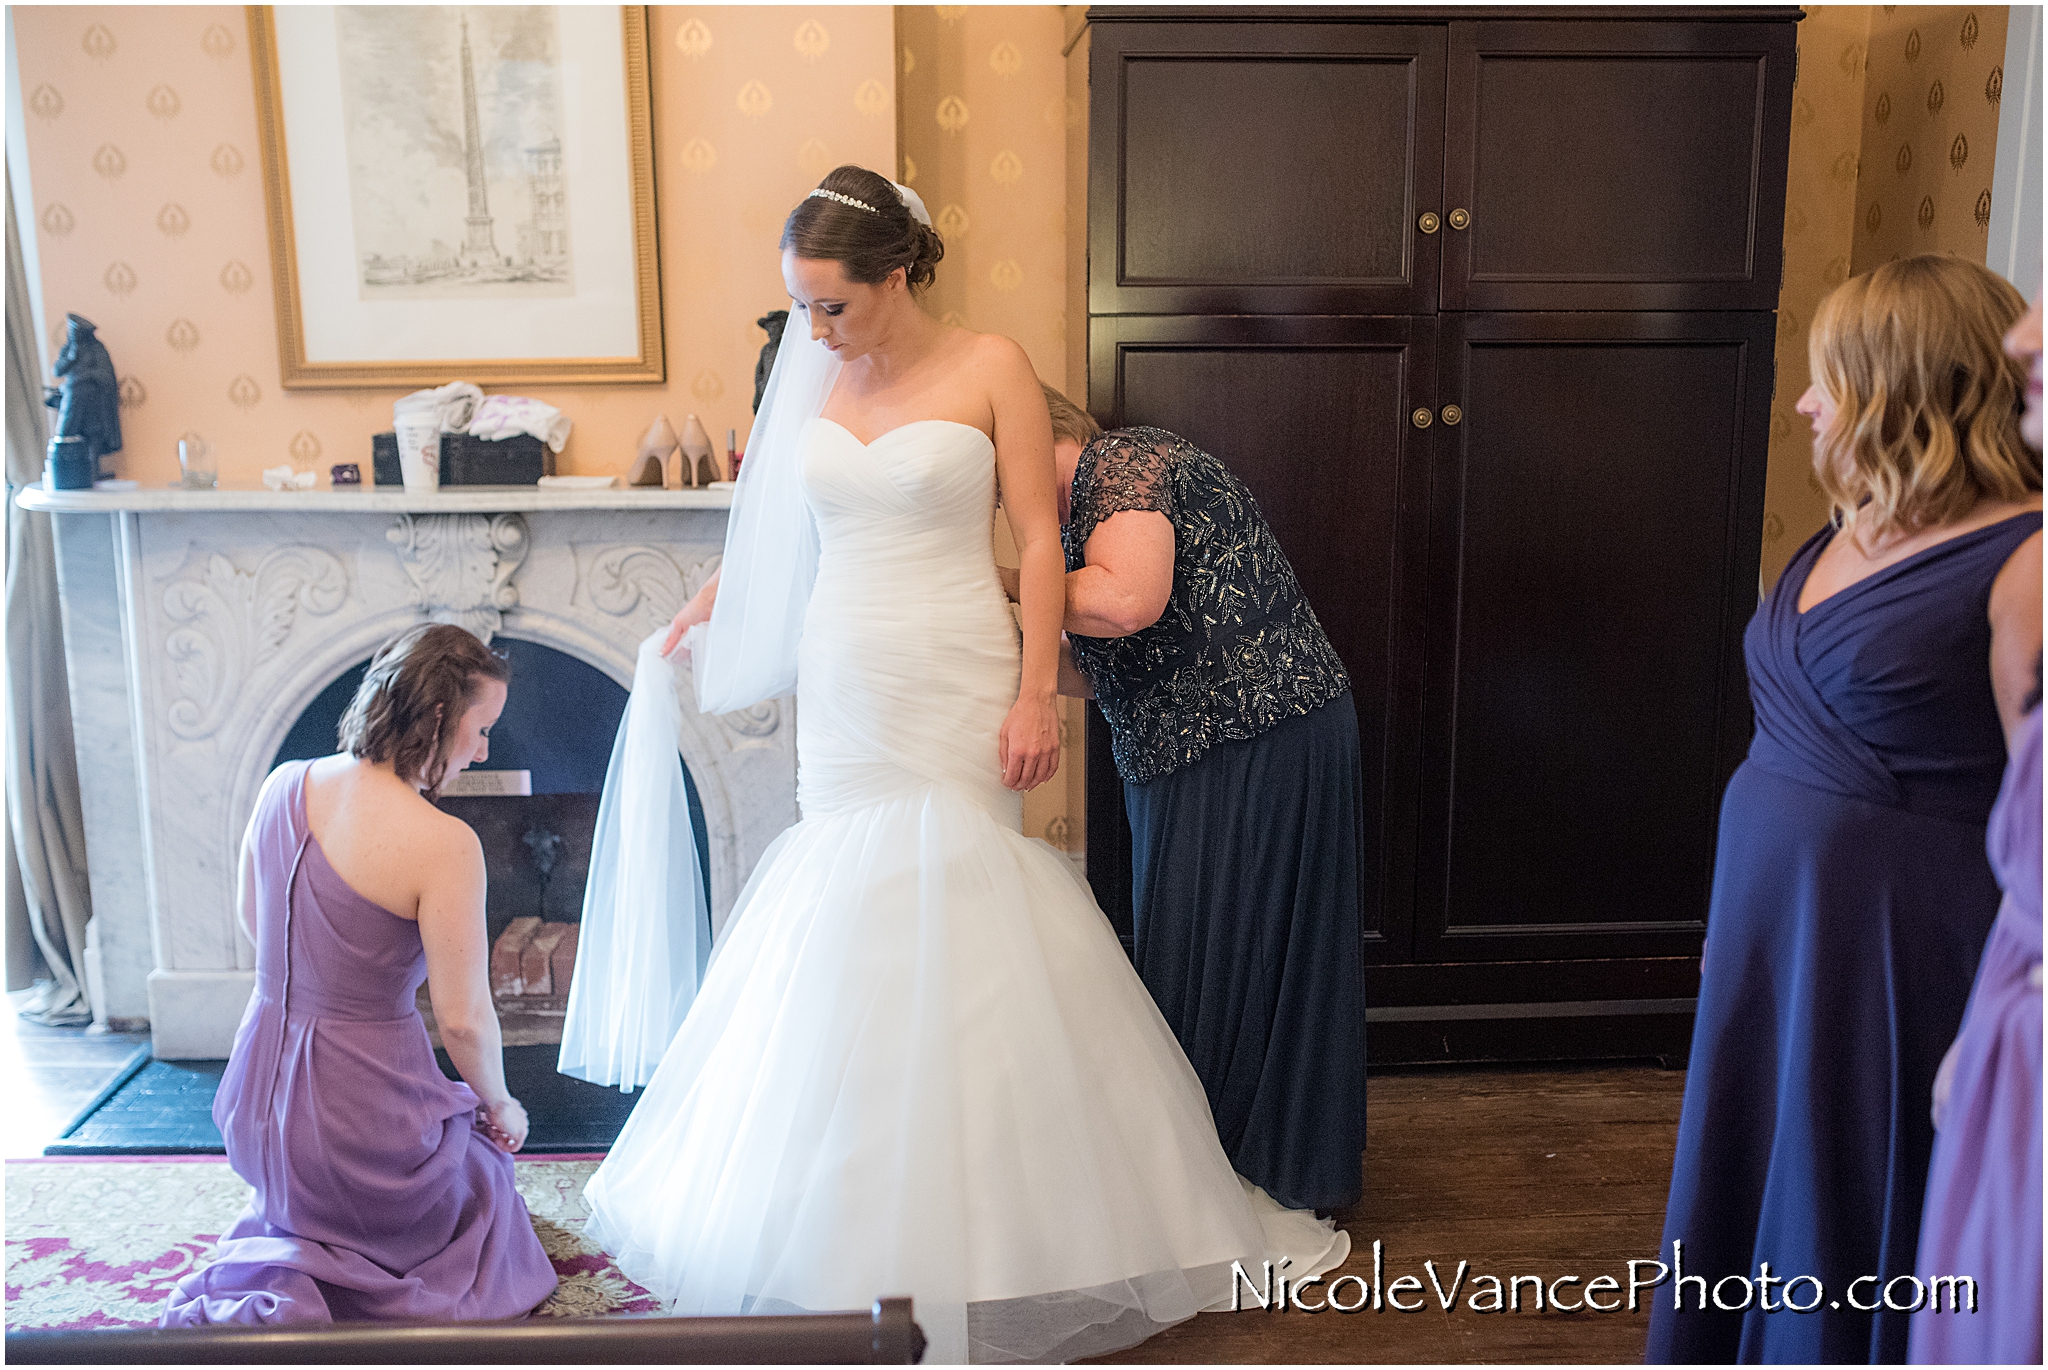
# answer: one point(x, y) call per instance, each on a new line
point(46, 891)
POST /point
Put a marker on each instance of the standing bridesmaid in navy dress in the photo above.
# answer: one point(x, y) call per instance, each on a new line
point(1851, 892)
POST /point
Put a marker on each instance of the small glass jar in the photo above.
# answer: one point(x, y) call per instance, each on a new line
point(195, 463)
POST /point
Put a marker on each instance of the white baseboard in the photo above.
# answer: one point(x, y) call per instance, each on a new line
point(193, 1014)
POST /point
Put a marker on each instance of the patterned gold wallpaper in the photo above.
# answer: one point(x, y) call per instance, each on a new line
point(1894, 131)
point(1930, 123)
point(1075, 22)
point(142, 143)
point(1820, 213)
point(984, 123)
point(983, 117)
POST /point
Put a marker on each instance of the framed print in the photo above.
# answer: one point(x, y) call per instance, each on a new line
point(459, 192)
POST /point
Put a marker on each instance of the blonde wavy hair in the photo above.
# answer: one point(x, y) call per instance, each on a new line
point(1927, 403)
point(1070, 420)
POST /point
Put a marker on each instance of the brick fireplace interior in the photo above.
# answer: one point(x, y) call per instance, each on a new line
point(561, 717)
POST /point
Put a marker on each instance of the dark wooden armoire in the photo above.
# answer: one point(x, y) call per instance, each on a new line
point(1480, 304)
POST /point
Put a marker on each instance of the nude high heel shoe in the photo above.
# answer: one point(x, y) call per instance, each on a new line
point(650, 462)
point(700, 467)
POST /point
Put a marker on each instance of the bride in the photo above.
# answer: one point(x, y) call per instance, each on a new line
point(919, 1062)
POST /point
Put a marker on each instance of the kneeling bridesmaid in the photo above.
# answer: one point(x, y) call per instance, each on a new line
point(384, 1190)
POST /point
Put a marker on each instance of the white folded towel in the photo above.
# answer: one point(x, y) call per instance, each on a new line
point(454, 404)
point(284, 478)
point(502, 416)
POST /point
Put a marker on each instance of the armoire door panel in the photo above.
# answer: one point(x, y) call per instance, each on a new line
point(1278, 168)
point(1594, 533)
point(1315, 416)
point(1615, 165)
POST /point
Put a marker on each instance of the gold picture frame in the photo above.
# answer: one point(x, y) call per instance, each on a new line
point(299, 372)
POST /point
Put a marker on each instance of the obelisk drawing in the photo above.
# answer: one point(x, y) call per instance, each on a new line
point(478, 248)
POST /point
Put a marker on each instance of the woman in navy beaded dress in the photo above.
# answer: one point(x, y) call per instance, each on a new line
point(1235, 734)
point(1851, 891)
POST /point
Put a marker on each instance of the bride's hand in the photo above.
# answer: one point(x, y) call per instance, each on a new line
point(1029, 745)
point(685, 620)
point(697, 611)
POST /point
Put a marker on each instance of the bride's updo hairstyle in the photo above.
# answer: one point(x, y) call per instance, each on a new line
point(1927, 403)
point(413, 697)
point(868, 243)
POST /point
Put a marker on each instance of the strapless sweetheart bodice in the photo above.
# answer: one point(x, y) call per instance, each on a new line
point(910, 655)
point(931, 479)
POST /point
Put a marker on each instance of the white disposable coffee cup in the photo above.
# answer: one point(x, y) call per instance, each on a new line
point(419, 452)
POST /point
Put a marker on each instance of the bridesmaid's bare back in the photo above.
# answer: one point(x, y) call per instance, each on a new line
point(382, 836)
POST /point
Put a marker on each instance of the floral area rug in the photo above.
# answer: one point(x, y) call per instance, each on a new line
point(100, 1243)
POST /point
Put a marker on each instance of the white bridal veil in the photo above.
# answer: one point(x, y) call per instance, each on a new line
point(646, 933)
point(747, 653)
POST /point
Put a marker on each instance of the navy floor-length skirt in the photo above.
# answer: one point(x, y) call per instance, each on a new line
point(1840, 948)
point(1245, 884)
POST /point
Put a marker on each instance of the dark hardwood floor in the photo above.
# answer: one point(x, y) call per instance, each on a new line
point(49, 1073)
point(1549, 1171)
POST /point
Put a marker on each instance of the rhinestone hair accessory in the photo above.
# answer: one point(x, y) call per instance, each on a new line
point(845, 200)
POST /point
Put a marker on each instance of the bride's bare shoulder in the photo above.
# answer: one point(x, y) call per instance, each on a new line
point(995, 357)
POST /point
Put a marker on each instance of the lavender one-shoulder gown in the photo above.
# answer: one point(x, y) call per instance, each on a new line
point(376, 1195)
point(1983, 1214)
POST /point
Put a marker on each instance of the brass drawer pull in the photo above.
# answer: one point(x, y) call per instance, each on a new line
point(1460, 219)
point(1422, 417)
point(1429, 223)
point(1452, 415)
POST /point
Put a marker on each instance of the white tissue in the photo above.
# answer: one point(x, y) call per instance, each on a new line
point(503, 416)
point(453, 404)
point(284, 478)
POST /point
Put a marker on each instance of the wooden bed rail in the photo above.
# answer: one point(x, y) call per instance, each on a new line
point(885, 1335)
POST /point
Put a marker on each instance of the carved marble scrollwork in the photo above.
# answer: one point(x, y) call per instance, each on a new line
point(758, 720)
point(232, 622)
point(461, 565)
point(633, 579)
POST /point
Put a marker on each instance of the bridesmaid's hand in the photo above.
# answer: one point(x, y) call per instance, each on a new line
point(1029, 745)
point(504, 1123)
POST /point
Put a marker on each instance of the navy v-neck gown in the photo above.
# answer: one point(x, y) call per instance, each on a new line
point(1851, 899)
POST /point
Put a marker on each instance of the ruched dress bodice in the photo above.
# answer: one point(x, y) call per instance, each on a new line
point(909, 658)
point(1881, 691)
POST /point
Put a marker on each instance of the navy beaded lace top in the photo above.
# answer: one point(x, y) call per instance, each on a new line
point(1238, 649)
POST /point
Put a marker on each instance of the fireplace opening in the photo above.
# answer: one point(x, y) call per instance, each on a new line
point(549, 751)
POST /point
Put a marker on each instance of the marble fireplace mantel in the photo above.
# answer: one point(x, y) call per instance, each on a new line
point(198, 625)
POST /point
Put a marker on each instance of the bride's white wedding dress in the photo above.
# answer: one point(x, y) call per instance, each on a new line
point(920, 1063)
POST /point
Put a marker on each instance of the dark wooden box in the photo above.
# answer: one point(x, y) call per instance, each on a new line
point(520, 460)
